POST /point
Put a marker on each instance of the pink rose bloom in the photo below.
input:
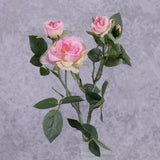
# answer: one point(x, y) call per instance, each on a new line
point(101, 25)
point(68, 53)
point(118, 27)
point(54, 29)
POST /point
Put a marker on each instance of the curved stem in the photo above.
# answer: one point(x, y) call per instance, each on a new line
point(97, 78)
point(79, 82)
point(100, 69)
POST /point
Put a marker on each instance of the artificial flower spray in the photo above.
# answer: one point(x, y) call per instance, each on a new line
point(67, 54)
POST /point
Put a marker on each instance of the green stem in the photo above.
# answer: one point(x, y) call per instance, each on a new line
point(58, 107)
point(93, 72)
point(58, 92)
point(51, 71)
point(97, 78)
point(79, 82)
point(66, 80)
point(89, 115)
point(100, 69)
point(68, 93)
point(79, 115)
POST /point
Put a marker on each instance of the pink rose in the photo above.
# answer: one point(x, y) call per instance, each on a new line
point(118, 27)
point(101, 25)
point(68, 53)
point(54, 29)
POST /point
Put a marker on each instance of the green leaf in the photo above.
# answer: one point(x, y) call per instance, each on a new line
point(73, 75)
point(115, 51)
point(97, 39)
point(91, 130)
point(75, 124)
point(104, 86)
point(94, 148)
point(71, 99)
point(108, 40)
point(52, 124)
point(44, 72)
point(35, 60)
point(118, 20)
point(89, 87)
point(92, 97)
point(112, 37)
point(125, 56)
point(46, 103)
point(90, 33)
point(58, 92)
point(66, 32)
point(41, 36)
point(86, 129)
point(111, 62)
point(102, 39)
point(103, 145)
point(117, 55)
point(101, 115)
point(38, 45)
point(95, 54)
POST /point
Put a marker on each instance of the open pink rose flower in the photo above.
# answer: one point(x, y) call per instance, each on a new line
point(54, 29)
point(101, 25)
point(68, 53)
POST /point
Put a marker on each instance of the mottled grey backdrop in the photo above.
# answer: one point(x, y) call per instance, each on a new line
point(132, 110)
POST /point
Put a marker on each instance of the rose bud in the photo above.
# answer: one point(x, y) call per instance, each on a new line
point(54, 29)
point(68, 53)
point(118, 27)
point(117, 30)
point(101, 25)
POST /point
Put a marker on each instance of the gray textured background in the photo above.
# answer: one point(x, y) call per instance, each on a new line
point(132, 110)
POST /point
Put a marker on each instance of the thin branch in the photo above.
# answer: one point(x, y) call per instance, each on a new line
point(66, 80)
point(79, 82)
point(51, 71)
point(58, 92)
point(95, 80)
